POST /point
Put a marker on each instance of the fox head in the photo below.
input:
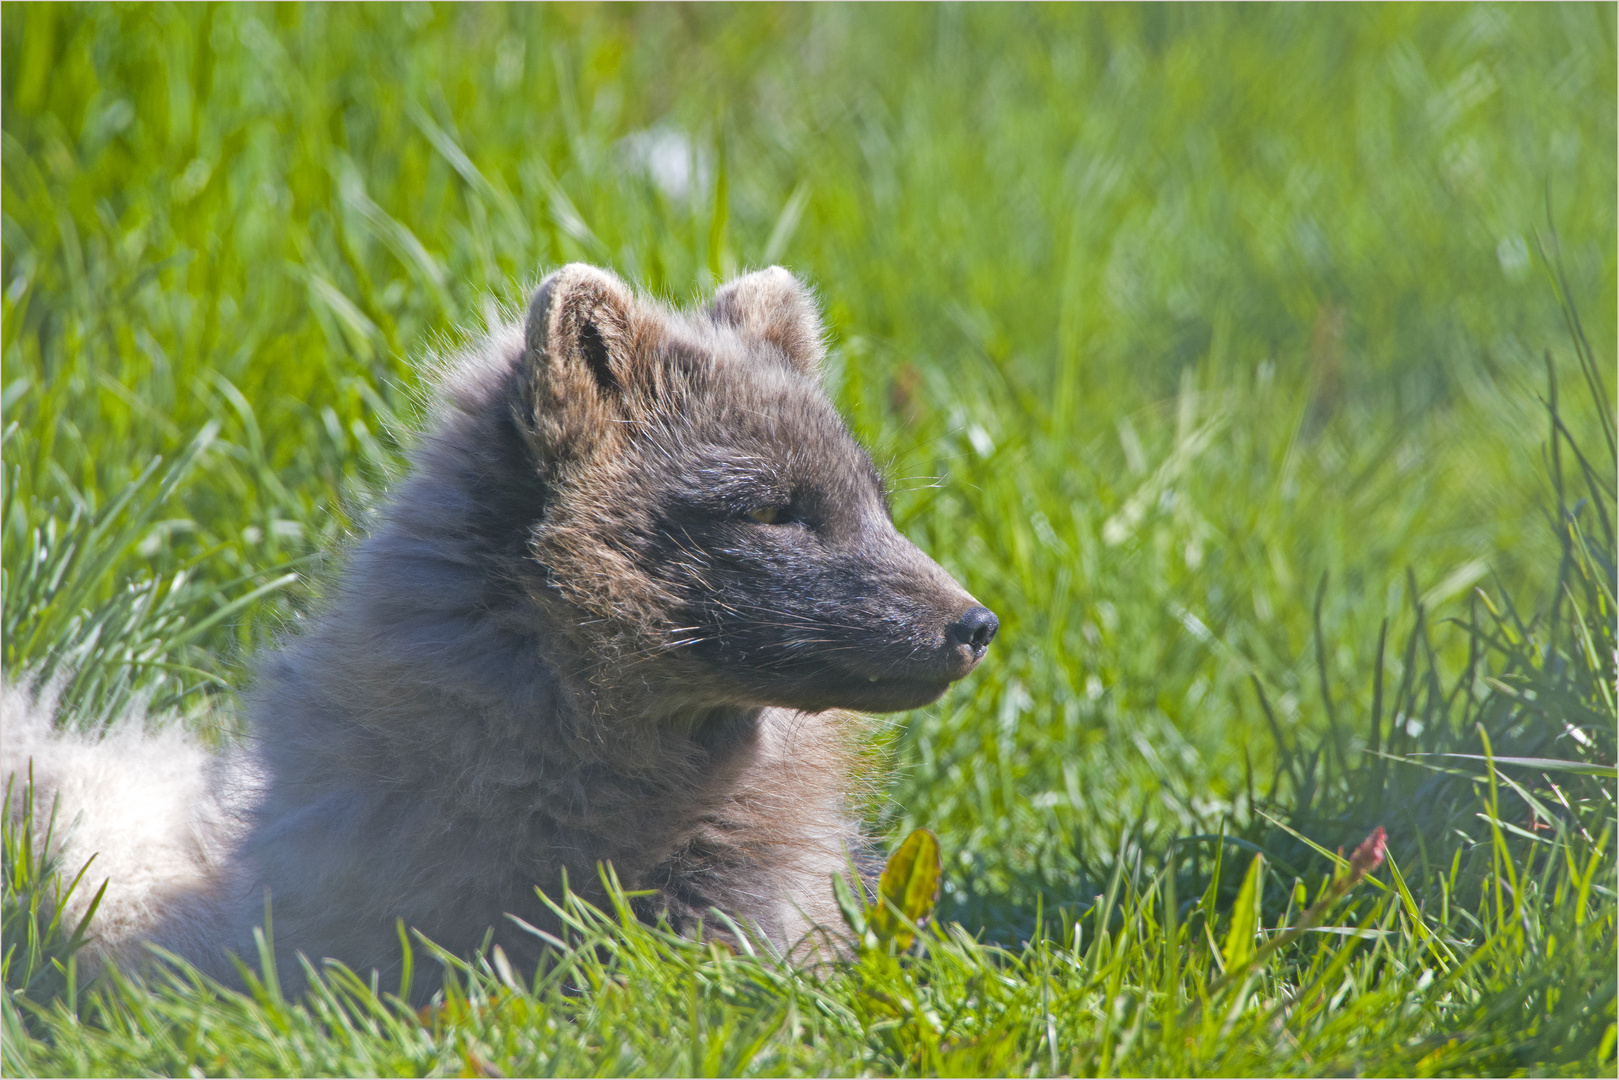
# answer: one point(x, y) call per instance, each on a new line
point(702, 525)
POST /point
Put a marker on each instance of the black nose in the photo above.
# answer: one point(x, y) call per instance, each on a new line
point(975, 629)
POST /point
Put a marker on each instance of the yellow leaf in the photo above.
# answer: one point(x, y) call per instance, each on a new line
point(909, 886)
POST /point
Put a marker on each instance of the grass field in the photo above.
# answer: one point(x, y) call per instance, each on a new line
point(1220, 350)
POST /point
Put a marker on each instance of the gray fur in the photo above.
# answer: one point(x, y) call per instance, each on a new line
point(573, 639)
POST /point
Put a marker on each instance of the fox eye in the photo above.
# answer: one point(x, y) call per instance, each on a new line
point(768, 515)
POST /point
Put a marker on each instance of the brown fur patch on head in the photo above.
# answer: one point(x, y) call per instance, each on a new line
point(592, 373)
point(775, 308)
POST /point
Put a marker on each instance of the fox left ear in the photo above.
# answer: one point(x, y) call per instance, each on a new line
point(579, 358)
point(776, 308)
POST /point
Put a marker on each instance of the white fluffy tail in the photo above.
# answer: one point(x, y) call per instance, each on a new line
point(144, 799)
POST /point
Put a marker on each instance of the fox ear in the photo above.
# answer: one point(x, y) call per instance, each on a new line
point(579, 321)
point(776, 308)
point(578, 343)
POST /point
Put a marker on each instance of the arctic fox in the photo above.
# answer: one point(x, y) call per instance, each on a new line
point(612, 616)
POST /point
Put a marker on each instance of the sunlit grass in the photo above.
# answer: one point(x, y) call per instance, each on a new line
point(1205, 345)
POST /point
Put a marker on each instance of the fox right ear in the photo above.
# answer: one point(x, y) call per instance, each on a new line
point(774, 307)
point(578, 342)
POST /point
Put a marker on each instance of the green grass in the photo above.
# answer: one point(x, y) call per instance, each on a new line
point(1211, 347)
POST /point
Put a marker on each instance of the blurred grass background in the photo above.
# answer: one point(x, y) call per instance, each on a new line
point(1217, 348)
point(1158, 317)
